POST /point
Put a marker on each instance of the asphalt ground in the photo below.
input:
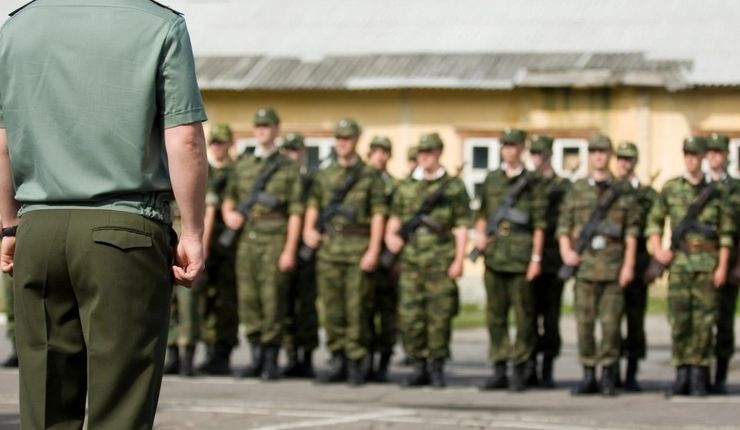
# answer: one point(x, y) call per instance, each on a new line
point(227, 403)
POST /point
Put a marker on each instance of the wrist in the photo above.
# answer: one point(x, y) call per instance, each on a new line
point(535, 258)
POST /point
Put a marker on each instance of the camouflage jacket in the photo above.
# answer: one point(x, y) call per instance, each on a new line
point(426, 247)
point(510, 248)
point(600, 263)
point(342, 243)
point(673, 201)
point(284, 184)
point(555, 189)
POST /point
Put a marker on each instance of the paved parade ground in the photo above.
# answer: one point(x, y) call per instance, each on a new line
point(226, 403)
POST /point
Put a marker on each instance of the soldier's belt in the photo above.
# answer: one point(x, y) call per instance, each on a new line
point(699, 246)
point(506, 228)
point(274, 215)
point(348, 230)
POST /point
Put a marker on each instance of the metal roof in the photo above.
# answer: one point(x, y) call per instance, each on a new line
point(469, 71)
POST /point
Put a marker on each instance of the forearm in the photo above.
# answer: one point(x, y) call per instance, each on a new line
point(392, 229)
point(186, 153)
point(630, 250)
point(538, 241)
point(480, 227)
point(723, 259)
point(377, 224)
point(8, 205)
point(293, 235)
point(564, 244)
point(228, 206)
point(461, 240)
point(312, 214)
point(654, 241)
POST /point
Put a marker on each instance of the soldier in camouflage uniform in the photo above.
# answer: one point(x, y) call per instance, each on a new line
point(717, 152)
point(605, 267)
point(7, 285)
point(548, 288)
point(217, 285)
point(697, 268)
point(302, 320)
point(384, 312)
point(349, 250)
point(634, 345)
point(513, 257)
point(430, 262)
point(267, 245)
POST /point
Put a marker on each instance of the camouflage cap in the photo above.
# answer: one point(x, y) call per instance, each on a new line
point(541, 143)
point(627, 150)
point(718, 142)
point(695, 144)
point(381, 142)
point(600, 142)
point(294, 141)
point(430, 142)
point(220, 133)
point(412, 153)
point(347, 127)
point(266, 116)
point(513, 135)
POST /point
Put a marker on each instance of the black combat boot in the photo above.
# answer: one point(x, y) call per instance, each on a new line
point(337, 368)
point(618, 373)
point(630, 377)
point(254, 370)
point(699, 381)
point(357, 370)
point(12, 360)
point(437, 373)
point(220, 363)
point(609, 379)
point(588, 384)
point(172, 365)
point(370, 361)
point(547, 380)
point(681, 385)
point(517, 380)
point(270, 369)
point(381, 373)
point(306, 357)
point(186, 364)
point(720, 376)
point(294, 368)
point(420, 375)
point(530, 372)
point(499, 380)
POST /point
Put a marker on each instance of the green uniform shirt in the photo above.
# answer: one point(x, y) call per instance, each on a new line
point(673, 201)
point(85, 120)
point(511, 245)
point(600, 263)
point(284, 184)
point(555, 189)
point(426, 247)
point(344, 241)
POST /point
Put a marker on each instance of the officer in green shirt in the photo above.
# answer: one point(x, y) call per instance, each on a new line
point(344, 220)
point(384, 312)
point(267, 246)
point(548, 288)
point(724, 347)
point(510, 226)
point(604, 267)
point(218, 300)
point(12, 360)
point(431, 259)
point(634, 345)
point(302, 320)
point(92, 150)
point(698, 266)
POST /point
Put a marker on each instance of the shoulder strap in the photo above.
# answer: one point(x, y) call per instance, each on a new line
point(341, 191)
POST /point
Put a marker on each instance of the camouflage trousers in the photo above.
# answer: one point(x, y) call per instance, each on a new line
point(428, 302)
point(724, 346)
point(262, 288)
point(384, 313)
point(548, 293)
point(217, 305)
point(302, 319)
point(602, 302)
point(505, 292)
point(634, 344)
point(184, 328)
point(345, 292)
point(692, 312)
point(9, 306)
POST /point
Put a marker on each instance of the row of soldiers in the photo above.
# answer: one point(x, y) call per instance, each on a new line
point(383, 255)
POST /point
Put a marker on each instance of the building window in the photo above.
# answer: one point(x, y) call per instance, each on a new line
point(319, 149)
point(570, 157)
point(734, 166)
point(481, 155)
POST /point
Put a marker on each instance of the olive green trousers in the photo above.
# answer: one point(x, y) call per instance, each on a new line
point(93, 290)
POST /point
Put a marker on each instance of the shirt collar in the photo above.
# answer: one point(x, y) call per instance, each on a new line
point(722, 177)
point(261, 154)
point(635, 182)
point(592, 181)
point(517, 172)
point(418, 173)
point(707, 178)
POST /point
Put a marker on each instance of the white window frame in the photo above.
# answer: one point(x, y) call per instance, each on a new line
point(473, 176)
point(558, 150)
point(734, 159)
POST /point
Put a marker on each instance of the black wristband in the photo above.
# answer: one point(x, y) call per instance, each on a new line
point(9, 231)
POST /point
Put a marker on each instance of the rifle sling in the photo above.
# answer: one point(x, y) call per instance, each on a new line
point(597, 216)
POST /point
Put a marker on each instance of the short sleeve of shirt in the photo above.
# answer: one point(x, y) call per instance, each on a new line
point(656, 217)
point(378, 200)
point(539, 204)
point(314, 194)
point(295, 193)
point(461, 205)
point(179, 99)
point(632, 225)
point(397, 206)
point(565, 220)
